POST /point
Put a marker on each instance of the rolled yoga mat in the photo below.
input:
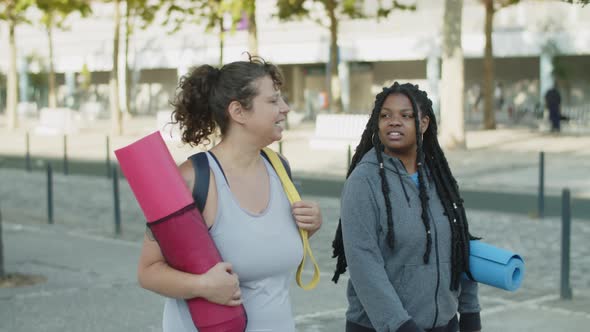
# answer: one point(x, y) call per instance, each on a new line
point(495, 267)
point(177, 225)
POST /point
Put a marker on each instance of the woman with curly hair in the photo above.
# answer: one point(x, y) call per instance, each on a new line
point(248, 214)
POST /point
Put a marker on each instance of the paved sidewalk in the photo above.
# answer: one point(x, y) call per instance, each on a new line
point(506, 159)
point(91, 279)
point(91, 272)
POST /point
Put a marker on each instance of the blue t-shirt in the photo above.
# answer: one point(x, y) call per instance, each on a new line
point(415, 179)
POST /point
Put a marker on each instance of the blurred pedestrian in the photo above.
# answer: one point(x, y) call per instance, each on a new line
point(553, 104)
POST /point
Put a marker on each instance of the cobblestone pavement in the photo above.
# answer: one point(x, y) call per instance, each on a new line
point(84, 261)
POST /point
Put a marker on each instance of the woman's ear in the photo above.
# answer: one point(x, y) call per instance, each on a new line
point(424, 122)
point(237, 112)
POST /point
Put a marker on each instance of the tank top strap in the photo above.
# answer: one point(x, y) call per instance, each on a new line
point(215, 166)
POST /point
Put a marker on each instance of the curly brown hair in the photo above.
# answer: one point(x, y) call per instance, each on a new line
point(204, 94)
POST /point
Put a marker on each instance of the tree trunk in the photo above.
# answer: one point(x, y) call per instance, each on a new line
point(52, 88)
point(128, 33)
point(451, 112)
point(221, 41)
point(116, 126)
point(489, 120)
point(252, 29)
point(2, 272)
point(11, 81)
point(334, 90)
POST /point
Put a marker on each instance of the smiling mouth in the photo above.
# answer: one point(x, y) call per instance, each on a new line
point(394, 135)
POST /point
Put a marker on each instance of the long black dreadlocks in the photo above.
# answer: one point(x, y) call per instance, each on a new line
point(429, 155)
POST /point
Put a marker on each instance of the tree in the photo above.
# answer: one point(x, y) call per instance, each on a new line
point(13, 12)
point(250, 9)
point(452, 119)
point(334, 11)
point(491, 7)
point(2, 272)
point(142, 13)
point(116, 118)
point(212, 13)
point(55, 13)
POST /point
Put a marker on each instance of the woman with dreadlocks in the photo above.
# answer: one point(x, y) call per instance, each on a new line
point(403, 232)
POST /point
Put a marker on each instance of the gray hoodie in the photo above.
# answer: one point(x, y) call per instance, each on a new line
point(393, 290)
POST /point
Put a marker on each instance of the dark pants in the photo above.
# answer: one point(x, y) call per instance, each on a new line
point(555, 119)
point(452, 326)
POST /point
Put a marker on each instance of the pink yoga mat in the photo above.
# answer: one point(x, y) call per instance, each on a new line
point(153, 176)
point(177, 225)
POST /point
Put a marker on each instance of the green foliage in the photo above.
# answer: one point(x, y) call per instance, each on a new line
point(383, 12)
point(581, 2)
point(296, 9)
point(208, 12)
point(144, 10)
point(291, 9)
point(13, 11)
point(55, 12)
point(85, 78)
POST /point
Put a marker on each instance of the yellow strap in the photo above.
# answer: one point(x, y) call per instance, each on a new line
point(293, 196)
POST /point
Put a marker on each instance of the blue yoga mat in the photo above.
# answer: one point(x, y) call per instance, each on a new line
point(495, 267)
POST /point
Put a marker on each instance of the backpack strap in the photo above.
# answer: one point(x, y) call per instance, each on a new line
point(201, 168)
point(293, 196)
point(283, 161)
point(201, 187)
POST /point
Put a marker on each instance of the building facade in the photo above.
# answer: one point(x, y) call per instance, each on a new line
point(531, 41)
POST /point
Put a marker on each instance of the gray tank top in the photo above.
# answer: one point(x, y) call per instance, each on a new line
point(264, 250)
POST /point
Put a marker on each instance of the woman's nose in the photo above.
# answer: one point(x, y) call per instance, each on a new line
point(394, 121)
point(284, 107)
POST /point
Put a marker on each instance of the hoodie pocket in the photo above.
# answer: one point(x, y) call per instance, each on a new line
point(448, 300)
point(416, 290)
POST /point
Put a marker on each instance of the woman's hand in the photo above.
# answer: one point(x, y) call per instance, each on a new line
point(221, 285)
point(307, 216)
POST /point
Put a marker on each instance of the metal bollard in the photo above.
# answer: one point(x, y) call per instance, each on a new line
point(116, 201)
point(49, 194)
point(349, 157)
point(28, 153)
point(108, 157)
point(281, 147)
point(66, 171)
point(2, 272)
point(565, 289)
point(541, 198)
point(287, 121)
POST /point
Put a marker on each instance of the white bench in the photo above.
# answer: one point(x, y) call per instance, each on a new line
point(57, 121)
point(26, 109)
point(91, 110)
point(338, 131)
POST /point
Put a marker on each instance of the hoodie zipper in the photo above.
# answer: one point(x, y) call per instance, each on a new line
point(401, 180)
point(437, 268)
point(435, 231)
